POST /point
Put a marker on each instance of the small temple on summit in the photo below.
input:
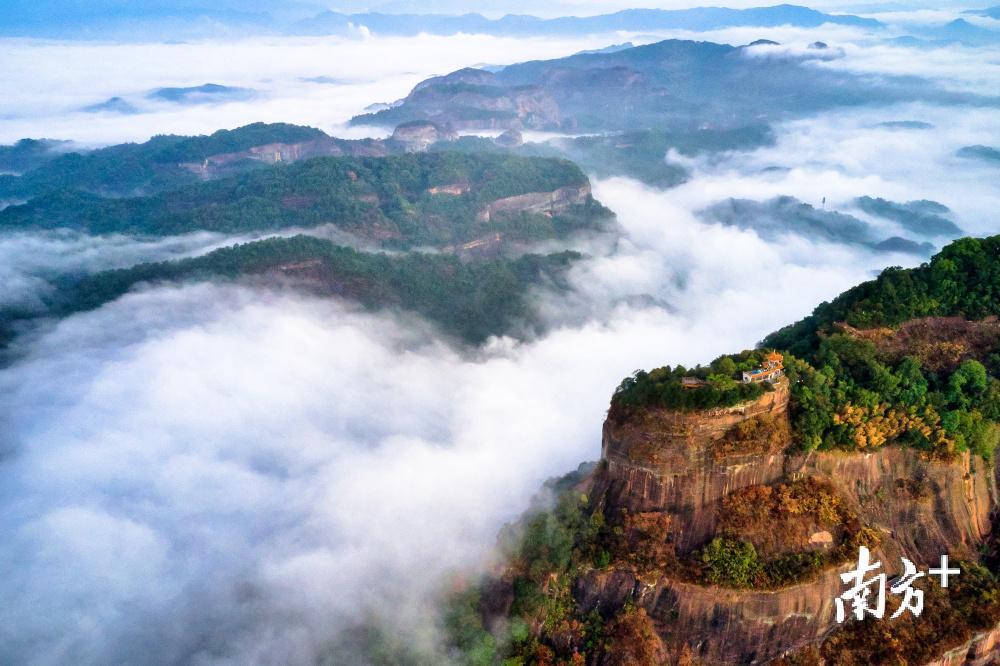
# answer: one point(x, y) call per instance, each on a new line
point(771, 371)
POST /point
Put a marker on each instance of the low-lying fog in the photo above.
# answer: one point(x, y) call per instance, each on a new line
point(208, 474)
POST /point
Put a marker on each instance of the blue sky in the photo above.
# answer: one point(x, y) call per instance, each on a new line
point(58, 10)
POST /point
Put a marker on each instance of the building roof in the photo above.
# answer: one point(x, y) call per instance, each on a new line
point(762, 371)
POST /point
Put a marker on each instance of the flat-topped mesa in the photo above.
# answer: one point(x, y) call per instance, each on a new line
point(696, 471)
point(685, 462)
point(919, 508)
point(688, 464)
point(732, 496)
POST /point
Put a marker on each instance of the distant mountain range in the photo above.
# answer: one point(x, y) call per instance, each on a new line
point(673, 85)
point(186, 19)
point(958, 31)
point(697, 19)
point(989, 12)
point(193, 19)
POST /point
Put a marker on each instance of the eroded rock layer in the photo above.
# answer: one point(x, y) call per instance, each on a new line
point(682, 464)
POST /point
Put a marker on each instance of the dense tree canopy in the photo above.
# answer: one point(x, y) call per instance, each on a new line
point(387, 199)
point(471, 300)
point(961, 280)
point(663, 387)
point(129, 168)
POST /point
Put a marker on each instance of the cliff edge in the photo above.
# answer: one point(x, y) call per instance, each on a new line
point(685, 465)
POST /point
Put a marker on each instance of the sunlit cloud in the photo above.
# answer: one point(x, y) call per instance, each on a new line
point(229, 475)
point(55, 80)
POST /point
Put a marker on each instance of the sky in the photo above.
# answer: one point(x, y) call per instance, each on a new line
point(590, 7)
point(194, 473)
point(486, 7)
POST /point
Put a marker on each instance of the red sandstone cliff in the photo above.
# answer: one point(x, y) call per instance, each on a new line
point(683, 465)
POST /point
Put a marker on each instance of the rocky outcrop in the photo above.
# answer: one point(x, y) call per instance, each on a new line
point(545, 203)
point(948, 514)
point(275, 153)
point(718, 625)
point(665, 460)
point(980, 650)
point(418, 136)
point(674, 462)
point(487, 247)
point(924, 508)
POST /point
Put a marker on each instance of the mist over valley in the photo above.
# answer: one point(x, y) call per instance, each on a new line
point(305, 304)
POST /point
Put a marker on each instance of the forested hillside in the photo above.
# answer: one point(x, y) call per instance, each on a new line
point(905, 368)
point(468, 300)
point(135, 168)
point(963, 280)
point(389, 200)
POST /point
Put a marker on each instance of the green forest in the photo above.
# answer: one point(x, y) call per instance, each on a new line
point(962, 280)
point(384, 199)
point(129, 168)
point(853, 391)
point(662, 387)
point(468, 300)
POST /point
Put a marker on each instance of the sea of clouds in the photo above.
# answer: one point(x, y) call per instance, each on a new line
point(228, 475)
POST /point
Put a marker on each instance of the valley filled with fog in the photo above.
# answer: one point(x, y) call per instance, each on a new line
point(235, 472)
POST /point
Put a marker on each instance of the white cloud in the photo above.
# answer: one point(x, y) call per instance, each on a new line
point(274, 469)
point(217, 474)
point(55, 79)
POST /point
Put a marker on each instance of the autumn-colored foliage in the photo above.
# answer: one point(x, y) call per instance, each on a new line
point(756, 435)
point(634, 641)
point(874, 427)
point(971, 603)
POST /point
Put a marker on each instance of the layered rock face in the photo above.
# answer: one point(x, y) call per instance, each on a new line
point(719, 625)
point(679, 463)
point(669, 461)
point(419, 136)
point(409, 137)
point(218, 165)
point(923, 508)
point(546, 203)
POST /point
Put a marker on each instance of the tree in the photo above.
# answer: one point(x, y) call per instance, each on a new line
point(724, 365)
point(967, 384)
point(730, 562)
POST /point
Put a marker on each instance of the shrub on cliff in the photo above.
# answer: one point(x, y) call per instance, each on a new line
point(731, 563)
point(545, 554)
point(634, 641)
